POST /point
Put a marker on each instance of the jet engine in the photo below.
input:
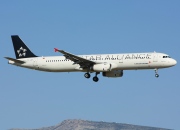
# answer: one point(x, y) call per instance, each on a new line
point(113, 74)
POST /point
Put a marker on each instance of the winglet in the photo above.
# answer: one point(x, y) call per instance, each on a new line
point(55, 49)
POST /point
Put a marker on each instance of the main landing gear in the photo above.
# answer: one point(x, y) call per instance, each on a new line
point(156, 73)
point(95, 78)
point(87, 75)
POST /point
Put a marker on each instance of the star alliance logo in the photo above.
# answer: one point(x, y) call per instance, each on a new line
point(21, 52)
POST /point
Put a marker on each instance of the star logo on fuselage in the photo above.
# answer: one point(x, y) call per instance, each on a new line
point(21, 52)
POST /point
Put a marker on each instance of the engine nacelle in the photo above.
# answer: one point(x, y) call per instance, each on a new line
point(114, 73)
point(105, 67)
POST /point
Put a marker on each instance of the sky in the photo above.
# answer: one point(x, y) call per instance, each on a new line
point(34, 99)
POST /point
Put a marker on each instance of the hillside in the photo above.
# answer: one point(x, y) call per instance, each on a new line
point(92, 125)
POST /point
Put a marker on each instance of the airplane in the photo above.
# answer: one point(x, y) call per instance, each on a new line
point(110, 65)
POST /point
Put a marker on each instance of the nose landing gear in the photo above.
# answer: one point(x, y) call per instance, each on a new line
point(156, 73)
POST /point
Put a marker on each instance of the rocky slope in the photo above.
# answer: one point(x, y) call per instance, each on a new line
point(92, 125)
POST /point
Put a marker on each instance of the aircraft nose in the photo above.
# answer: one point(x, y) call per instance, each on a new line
point(174, 62)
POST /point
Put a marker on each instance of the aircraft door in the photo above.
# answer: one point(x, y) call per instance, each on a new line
point(155, 57)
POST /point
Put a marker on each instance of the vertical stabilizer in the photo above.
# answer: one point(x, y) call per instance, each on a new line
point(20, 49)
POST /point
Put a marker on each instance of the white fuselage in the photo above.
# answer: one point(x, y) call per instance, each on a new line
point(131, 61)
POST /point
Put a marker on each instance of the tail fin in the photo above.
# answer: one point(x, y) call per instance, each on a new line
point(20, 49)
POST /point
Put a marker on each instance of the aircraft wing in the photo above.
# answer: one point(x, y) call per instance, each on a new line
point(76, 59)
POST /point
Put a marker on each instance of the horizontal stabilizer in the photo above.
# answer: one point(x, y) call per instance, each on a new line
point(15, 60)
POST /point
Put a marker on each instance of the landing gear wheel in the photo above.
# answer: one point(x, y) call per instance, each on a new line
point(87, 75)
point(156, 75)
point(95, 79)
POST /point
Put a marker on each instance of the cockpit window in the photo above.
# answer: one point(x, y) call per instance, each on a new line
point(166, 57)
